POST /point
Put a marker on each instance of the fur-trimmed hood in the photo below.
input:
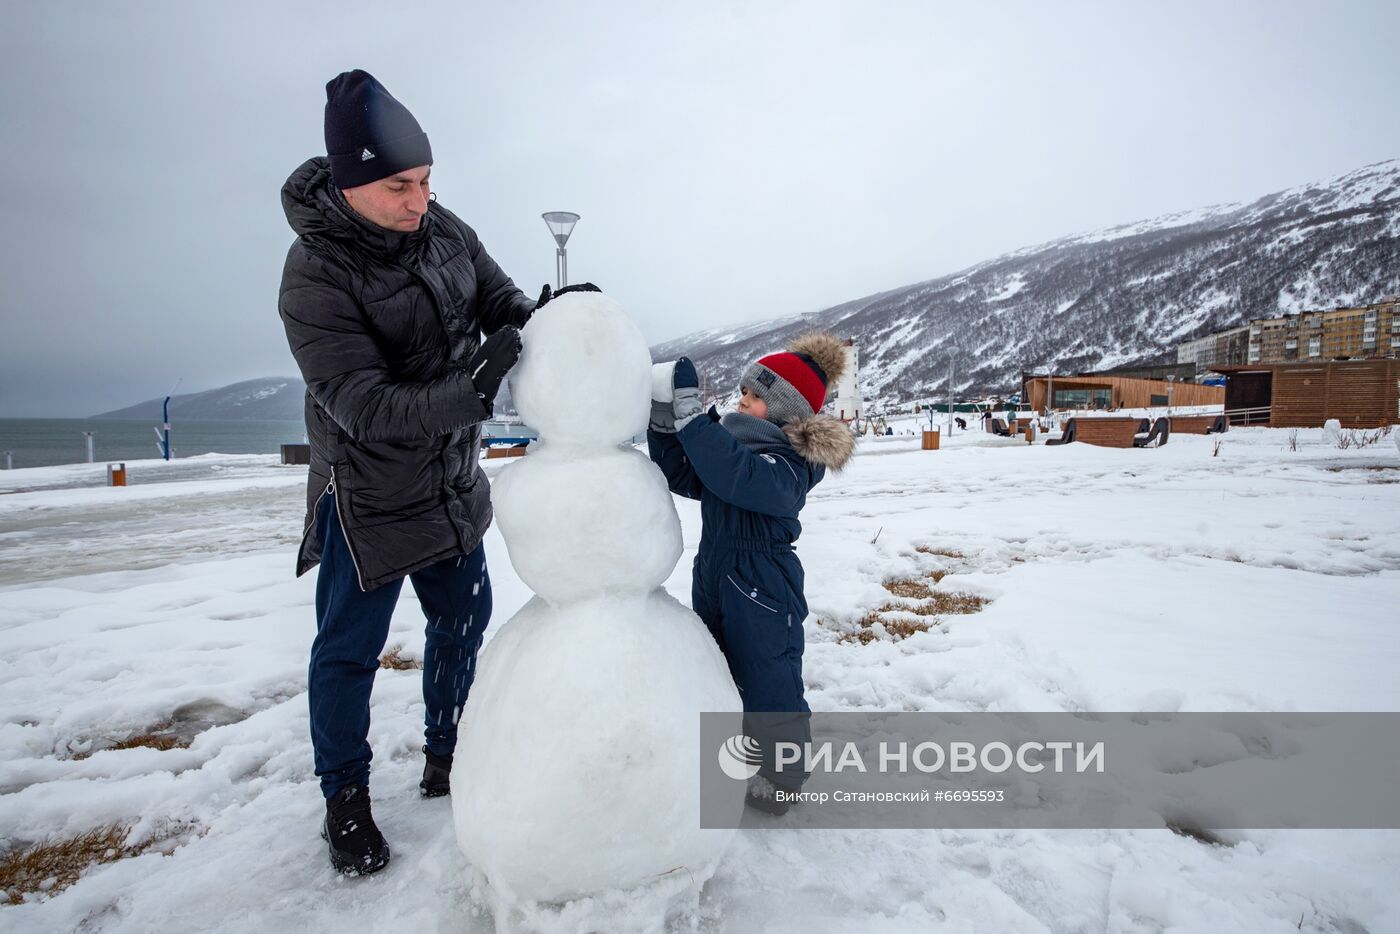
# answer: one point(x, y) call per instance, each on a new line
point(821, 439)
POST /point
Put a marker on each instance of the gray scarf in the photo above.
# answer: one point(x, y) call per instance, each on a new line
point(754, 433)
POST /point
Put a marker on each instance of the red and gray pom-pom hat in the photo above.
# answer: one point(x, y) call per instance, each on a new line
point(794, 383)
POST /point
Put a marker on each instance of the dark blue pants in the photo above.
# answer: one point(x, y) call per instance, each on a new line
point(351, 628)
point(753, 605)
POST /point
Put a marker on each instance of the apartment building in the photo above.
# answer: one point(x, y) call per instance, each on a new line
point(1225, 347)
point(1361, 332)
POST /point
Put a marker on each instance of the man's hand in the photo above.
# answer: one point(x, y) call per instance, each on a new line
point(489, 365)
point(548, 293)
point(685, 383)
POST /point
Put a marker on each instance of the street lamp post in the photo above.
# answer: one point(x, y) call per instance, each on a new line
point(163, 437)
point(561, 224)
point(951, 358)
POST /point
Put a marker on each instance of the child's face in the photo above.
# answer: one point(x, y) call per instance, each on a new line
point(750, 404)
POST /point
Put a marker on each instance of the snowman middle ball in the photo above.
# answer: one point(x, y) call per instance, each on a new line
point(583, 524)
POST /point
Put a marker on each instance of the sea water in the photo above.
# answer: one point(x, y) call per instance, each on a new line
point(42, 442)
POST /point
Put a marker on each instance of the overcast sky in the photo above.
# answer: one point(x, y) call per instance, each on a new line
point(731, 162)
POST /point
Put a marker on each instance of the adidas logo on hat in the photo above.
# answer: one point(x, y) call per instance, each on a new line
point(366, 156)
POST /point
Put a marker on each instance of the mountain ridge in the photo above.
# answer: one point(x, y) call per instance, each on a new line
point(271, 398)
point(1119, 295)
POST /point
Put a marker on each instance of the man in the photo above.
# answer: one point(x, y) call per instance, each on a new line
point(385, 296)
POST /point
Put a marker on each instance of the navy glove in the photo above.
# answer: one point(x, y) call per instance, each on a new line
point(489, 365)
point(548, 293)
point(685, 383)
point(684, 375)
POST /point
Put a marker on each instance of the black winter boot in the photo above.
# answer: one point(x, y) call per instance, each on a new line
point(357, 847)
point(437, 771)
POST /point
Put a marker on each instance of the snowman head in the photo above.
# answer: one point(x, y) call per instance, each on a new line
point(584, 376)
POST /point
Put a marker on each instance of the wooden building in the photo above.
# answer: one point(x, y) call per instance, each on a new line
point(1102, 391)
point(1358, 393)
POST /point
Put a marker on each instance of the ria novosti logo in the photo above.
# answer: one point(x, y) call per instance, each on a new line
point(740, 757)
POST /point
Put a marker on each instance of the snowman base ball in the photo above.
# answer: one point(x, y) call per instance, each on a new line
point(560, 795)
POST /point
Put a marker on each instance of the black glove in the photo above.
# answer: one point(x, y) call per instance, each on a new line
point(490, 364)
point(547, 293)
point(685, 383)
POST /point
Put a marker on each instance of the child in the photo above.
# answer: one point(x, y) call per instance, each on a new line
point(751, 471)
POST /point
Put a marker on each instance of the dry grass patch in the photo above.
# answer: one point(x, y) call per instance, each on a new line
point(54, 865)
point(902, 620)
point(957, 602)
point(152, 740)
point(911, 589)
point(898, 629)
point(939, 603)
point(940, 552)
point(904, 628)
point(162, 736)
point(395, 660)
point(924, 608)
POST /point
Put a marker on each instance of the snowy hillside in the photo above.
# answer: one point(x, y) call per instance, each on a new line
point(271, 398)
point(1116, 296)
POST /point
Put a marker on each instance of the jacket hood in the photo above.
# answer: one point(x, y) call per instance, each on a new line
point(315, 207)
point(822, 440)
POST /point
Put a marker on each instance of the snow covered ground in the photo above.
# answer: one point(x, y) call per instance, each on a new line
point(1257, 577)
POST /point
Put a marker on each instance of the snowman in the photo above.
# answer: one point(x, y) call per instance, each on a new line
point(575, 782)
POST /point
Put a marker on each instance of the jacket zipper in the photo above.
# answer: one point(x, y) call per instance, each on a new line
point(442, 455)
point(315, 513)
point(359, 578)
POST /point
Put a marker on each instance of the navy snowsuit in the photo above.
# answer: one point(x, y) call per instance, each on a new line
point(747, 583)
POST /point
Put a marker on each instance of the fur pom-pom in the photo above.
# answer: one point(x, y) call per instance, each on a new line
point(828, 350)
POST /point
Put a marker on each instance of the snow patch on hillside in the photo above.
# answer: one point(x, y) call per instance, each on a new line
point(1012, 285)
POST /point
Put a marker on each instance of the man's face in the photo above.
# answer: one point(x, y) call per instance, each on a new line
point(394, 203)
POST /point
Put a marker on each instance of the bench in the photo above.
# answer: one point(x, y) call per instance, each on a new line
point(1103, 432)
point(1066, 433)
point(1198, 424)
point(1156, 435)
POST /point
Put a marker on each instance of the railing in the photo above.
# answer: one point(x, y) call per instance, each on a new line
point(1259, 415)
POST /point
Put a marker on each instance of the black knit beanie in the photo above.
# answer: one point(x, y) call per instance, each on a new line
point(369, 134)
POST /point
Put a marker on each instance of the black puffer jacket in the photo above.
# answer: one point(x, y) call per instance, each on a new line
point(382, 325)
